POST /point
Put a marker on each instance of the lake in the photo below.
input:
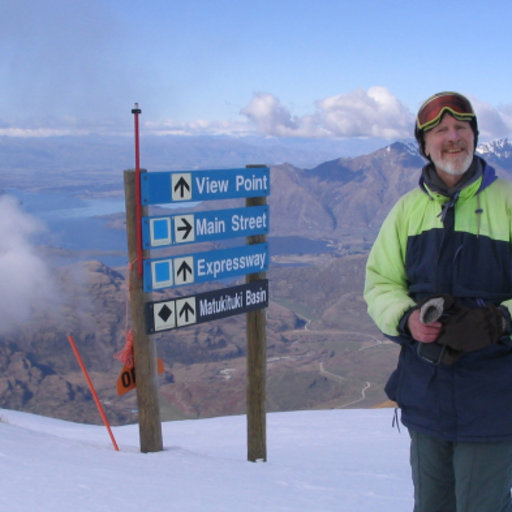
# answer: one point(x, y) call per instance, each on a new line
point(79, 225)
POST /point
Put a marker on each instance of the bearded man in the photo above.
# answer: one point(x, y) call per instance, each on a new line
point(439, 283)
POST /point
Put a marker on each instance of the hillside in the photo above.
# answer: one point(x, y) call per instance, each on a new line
point(323, 350)
point(315, 359)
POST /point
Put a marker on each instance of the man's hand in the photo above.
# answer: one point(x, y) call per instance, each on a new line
point(426, 333)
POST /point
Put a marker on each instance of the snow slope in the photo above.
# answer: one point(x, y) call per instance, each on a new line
point(318, 461)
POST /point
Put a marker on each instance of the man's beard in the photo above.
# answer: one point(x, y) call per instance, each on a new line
point(453, 166)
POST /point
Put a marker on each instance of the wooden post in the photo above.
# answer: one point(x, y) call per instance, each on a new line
point(256, 363)
point(144, 351)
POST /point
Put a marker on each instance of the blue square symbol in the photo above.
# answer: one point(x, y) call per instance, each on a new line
point(160, 231)
point(162, 273)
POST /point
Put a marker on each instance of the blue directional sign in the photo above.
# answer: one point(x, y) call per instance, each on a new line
point(204, 266)
point(163, 231)
point(204, 307)
point(178, 186)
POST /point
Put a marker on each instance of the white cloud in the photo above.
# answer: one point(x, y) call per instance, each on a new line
point(40, 132)
point(25, 278)
point(270, 116)
point(492, 123)
point(360, 113)
point(198, 127)
point(373, 113)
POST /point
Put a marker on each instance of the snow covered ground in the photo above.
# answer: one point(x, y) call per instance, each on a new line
point(318, 461)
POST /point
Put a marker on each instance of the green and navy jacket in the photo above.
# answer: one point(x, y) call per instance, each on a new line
point(462, 245)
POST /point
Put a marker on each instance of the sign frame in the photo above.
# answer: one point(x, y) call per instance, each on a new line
point(221, 303)
point(159, 231)
point(200, 267)
point(204, 185)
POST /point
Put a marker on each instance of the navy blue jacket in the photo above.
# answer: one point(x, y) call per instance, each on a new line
point(431, 244)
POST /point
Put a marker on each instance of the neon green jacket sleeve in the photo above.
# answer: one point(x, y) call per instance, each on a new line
point(385, 290)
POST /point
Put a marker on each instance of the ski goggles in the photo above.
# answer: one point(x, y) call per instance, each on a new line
point(434, 108)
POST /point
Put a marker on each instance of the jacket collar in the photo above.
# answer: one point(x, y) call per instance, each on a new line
point(478, 177)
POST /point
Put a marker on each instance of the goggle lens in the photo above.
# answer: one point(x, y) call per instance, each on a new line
point(433, 109)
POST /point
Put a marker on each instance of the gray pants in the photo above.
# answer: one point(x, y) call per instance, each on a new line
point(460, 477)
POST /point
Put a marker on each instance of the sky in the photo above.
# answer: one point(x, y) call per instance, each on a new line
point(319, 461)
point(279, 68)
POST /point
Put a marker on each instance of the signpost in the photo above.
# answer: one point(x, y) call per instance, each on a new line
point(144, 351)
point(147, 274)
point(256, 363)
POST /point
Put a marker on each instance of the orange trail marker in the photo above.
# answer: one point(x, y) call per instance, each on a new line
point(126, 380)
point(93, 391)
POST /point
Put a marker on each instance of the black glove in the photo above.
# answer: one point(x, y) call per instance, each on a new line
point(464, 329)
point(469, 329)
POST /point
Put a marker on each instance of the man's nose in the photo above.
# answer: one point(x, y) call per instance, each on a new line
point(453, 134)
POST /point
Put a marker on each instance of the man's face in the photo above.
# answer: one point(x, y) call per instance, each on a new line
point(450, 145)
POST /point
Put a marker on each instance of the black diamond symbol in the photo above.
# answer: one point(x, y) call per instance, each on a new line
point(165, 313)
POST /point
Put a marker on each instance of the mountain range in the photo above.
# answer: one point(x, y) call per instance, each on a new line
point(107, 153)
point(323, 350)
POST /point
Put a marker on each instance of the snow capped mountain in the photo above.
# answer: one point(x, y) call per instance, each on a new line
point(409, 146)
point(496, 149)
